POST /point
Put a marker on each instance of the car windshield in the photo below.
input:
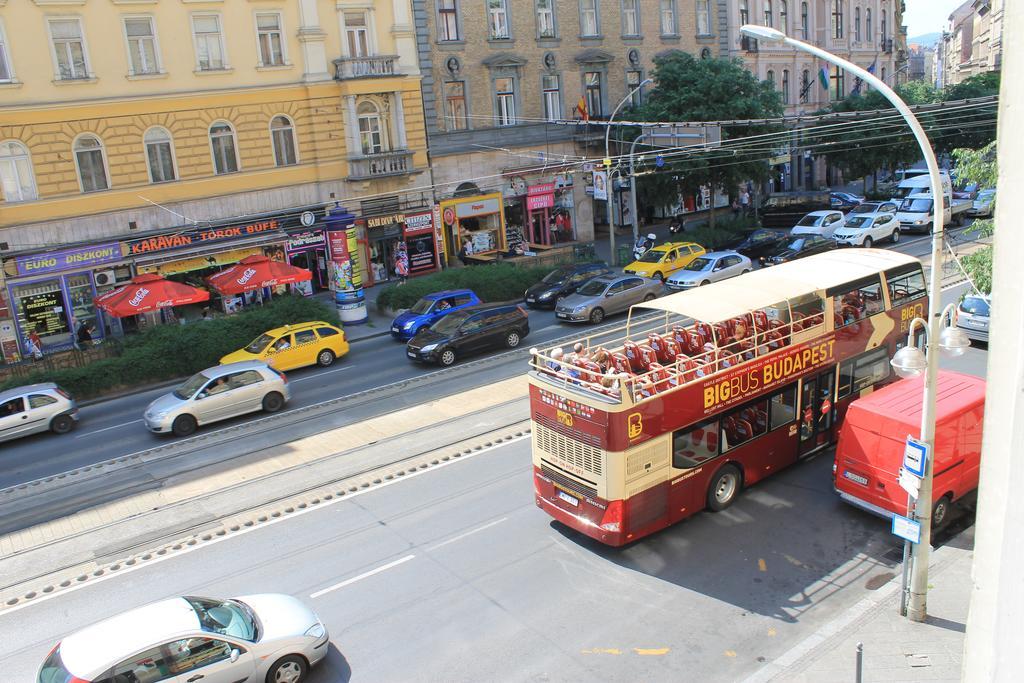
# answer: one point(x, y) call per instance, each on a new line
point(796, 245)
point(858, 222)
point(699, 264)
point(225, 617)
point(916, 205)
point(449, 323)
point(259, 343)
point(986, 195)
point(191, 386)
point(974, 305)
point(863, 208)
point(593, 288)
point(809, 220)
point(652, 256)
point(557, 276)
point(421, 306)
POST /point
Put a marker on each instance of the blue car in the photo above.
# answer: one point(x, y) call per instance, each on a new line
point(429, 310)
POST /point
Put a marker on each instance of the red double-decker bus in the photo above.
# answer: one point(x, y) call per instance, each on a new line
point(707, 391)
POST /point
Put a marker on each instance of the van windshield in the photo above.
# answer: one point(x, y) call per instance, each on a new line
point(916, 206)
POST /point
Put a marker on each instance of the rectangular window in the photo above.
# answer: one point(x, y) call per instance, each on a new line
point(633, 80)
point(782, 408)
point(808, 310)
point(805, 85)
point(69, 47)
point(906, 287)
point(545, 19)
point(448, 20)
point(743, 424)
point(92, 171)
point(837, 19)
point(804, 23)
point(589, 25)
point(668, 17)
point(856, 302)
point(141, 45)
point(630, 17)
point(504, 90)
point(863, 371)
point(838, 90)
point(268, 29)
point(695, 445)
point(455, 106)
point(161, 163)
point(357, 34)
point(552, 97)
point(592, 83)
point(6, 73)
point(497, 19)
point(785, 86)
point(703, 17)
point(209, 42)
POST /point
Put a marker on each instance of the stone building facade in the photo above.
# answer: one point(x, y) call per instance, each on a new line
point(972, 42)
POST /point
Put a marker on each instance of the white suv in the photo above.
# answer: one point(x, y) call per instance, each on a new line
point(864, 229)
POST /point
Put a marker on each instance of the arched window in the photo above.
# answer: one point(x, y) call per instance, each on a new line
point(466, 189)
point(770, 77)
point(856, 24)
point(159, 155)
point(804, 21)
point(837, 19)
point(372, 136)
point(92, 168)
point(222, 147)
point(16, 178)
point(768, 13)
point(785, 86)
point(282, 135)
point(805, 85)
point(867, 26)
point(783, 16)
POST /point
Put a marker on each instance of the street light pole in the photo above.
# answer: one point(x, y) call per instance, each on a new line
point(607, 166)
point(917, 609)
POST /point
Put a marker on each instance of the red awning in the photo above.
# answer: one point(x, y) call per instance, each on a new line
point(256, 272)
point(146, 293)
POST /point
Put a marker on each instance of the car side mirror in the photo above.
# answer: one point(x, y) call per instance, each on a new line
point(609, 294)
point(235, 654)
point(201, 395)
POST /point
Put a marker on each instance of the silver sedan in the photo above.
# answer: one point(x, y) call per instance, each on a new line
point(713, 267)
point(255, 638)
point(36, 408)
point(605, 295)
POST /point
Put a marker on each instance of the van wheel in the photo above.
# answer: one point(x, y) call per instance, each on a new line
point(895, 237)
point(325, 358)
point(512, 340)
point(184, 425)
point(62, 424)
point(868, 243)
point(725, 485)
point(273, 402)
point(941, 513)
point(447, 357)
point(597, 315)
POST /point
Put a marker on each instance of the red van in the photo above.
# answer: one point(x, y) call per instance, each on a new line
point(873, 436)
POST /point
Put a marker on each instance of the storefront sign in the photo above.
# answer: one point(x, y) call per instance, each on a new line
point(44, 312)
point(420, 242)
point(420, 222)
point(540, 201)
point(305, 240)
point(480, 207)
point(68, 259)
point(543, 188)
point(449, 216)
point(223, 258)
point(188, 238)
point(382, 221)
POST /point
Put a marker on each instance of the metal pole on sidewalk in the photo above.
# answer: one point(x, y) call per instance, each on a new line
point(860, 662)
point(607, 167)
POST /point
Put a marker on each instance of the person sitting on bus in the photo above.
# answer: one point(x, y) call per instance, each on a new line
point(601, 358)
point(555, 362)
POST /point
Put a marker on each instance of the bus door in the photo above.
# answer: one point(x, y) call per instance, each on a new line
point(816, 412)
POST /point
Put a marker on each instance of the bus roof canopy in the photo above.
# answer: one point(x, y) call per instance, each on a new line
point(768, 286)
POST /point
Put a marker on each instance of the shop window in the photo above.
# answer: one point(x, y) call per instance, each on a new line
point(16, 177)
point(357, 34)
point(68, 44)
point(545, 18)
point(159, 155)
point(209, 42)
point(12, 407)
point(282, 134)
point(590, 23)
point(269, 37)
point(863, 371)
point(668, 17)
point(142, 52)
point(455, 114)
point(40, 400)
point(743, 424)
point(372, 139)
point(448, 20)
point(857, 301)
point(92, 168)
point(497, 19)
point(782, 408)
point(695, 445)
point(906, 287)
point(40, 308)
point(222, 146)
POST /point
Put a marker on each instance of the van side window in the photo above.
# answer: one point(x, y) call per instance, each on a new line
point(863, 371)
point(782, 408)
point(906, 287)
point(696, 445)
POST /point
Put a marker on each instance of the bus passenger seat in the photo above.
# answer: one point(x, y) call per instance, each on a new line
point(620, 363)
point(760, 321)
point(679, 334)
point(694, 343)
point(647, 356)
point(632, 352)
point(672, 350)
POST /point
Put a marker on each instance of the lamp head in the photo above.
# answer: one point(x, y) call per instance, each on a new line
point(953, 341)
point(909, 362)
point(768, 33)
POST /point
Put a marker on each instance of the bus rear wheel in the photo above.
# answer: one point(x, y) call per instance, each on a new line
point(724, 488)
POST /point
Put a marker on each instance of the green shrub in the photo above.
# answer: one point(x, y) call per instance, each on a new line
point(168, 351)
point(493, 282)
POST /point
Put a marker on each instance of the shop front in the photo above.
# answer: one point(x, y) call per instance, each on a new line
point(48, 294)
point(539, 213)
point(385, 236)
point(474, 223)
point(421, 243)
point(307, 248)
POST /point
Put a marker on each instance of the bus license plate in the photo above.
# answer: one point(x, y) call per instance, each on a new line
point(863, 481)
point(569, 499)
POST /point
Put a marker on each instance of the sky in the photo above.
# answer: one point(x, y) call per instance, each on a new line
point(926, 16)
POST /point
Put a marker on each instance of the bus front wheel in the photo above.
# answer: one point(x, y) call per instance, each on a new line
point(724, 488)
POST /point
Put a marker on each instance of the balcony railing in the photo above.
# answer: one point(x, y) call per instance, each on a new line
point(365, 67)
point(398, 162)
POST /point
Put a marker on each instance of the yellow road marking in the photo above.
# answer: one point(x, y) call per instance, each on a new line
point(730, 653)
point(651, 651)
point(602, 651)
point(761, 565)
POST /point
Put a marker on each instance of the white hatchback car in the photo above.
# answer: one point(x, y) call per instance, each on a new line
point(36, 408)
point(865, 229)
point(267, 638)
point(822, 223)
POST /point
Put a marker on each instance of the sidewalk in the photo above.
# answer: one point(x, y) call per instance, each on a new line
point(895, 648)
point(377, 325)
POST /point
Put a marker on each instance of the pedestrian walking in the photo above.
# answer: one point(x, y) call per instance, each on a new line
point(745, 202)
point(84, 335)
point(465, 251)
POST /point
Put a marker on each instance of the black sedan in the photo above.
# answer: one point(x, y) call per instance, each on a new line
point(758, 243)
point(563, 281)
point(798, 247)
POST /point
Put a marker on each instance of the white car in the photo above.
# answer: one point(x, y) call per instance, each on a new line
point(822, 223)
point(703, 270)
point(252, 639)
point(983, 204)
point(864, 229)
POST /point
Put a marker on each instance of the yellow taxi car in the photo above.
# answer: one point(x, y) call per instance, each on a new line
point(294, 346)
point(661, 261)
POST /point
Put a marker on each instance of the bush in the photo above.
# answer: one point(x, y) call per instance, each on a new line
point(169, 351)
point(493, 282)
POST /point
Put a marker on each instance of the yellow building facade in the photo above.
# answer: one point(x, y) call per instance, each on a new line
point(123, 120)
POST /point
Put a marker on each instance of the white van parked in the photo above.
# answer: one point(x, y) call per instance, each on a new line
point(921, 184)
point(916, 211)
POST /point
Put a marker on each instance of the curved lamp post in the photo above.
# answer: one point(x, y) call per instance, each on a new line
point(917, 610)
point(607, 167)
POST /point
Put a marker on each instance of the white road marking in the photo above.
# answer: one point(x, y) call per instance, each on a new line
point(364, 575)
point(319, 374)
point(97, 431)
point(470, 533)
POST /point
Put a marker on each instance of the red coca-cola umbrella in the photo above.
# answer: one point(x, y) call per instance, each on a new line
point(256, 272)
point(148, 292)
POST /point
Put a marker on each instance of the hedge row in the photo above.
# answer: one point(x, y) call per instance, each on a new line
point(492, 282)
point(168, 351)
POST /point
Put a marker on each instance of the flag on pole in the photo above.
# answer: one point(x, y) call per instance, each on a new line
point(581, 109)
point(871, 69)
point(823, 78)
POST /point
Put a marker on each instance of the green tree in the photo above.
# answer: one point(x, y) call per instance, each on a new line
point(690, 89)
point(971, 129)
point(979, 166)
